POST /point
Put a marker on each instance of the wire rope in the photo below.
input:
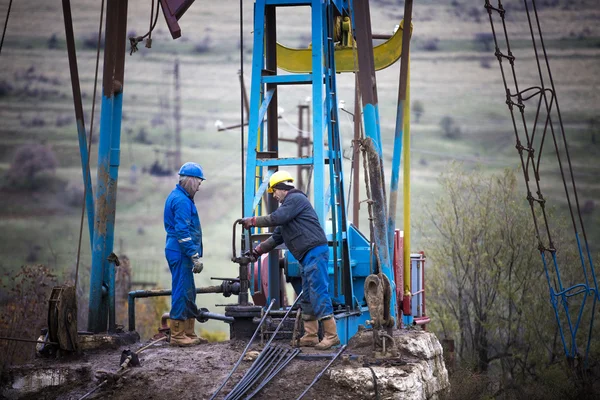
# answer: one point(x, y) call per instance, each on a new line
point(5, 25)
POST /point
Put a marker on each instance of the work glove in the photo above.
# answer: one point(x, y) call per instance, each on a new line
point(257, 252)
point(198, 266)
point(249, 222)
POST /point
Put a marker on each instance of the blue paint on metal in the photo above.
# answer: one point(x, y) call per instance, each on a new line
point(285, 161)
point(102, 279)
point(87, 179)
point(261, 189)
point(97, 321)
point(265, 104)
point(256, 90)
point(289, 79)
point(396, 158)
point(318, 71)
point(370, 119)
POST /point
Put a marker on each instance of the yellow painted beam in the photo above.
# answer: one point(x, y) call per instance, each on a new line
point(300, 60)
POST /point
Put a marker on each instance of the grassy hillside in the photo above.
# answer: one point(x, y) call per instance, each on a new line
point(451, 75)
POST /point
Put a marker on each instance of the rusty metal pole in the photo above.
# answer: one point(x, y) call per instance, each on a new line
point(272, 143)
point(177, 116)
point(81, 134)
point(102, 280)
point(356, 157)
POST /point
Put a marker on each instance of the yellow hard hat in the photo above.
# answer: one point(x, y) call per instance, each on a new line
point(278, 177)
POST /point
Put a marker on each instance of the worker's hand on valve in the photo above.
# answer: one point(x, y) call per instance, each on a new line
point(248, 222)
point(257, 252)
point(197, 264)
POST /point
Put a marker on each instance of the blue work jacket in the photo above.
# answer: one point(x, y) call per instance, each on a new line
point(184, 233)
point(297, 225)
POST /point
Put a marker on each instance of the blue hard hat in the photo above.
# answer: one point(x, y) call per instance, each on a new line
point(192, 169)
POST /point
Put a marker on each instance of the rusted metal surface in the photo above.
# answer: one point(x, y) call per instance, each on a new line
point(364, 44)
point(79, 116)
point(272, 140)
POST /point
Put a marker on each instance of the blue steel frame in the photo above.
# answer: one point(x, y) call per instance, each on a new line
point(350, 259)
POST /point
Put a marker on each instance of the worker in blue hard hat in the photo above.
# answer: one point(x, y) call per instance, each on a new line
point(297, 225)
point(183, 251)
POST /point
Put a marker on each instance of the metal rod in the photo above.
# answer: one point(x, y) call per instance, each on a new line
point(272, 375)
point(167, 292)
point(322, 372)
point(245, 350)
point(262, 354)
point(26, 340)
point(254, 373)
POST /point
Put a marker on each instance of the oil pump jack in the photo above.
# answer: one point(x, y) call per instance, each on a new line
point(369, 280)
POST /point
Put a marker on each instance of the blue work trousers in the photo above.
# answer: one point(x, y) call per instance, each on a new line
point(183, 288)
point(316, 302)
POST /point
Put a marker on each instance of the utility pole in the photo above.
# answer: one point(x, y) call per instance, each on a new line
point(177, 116)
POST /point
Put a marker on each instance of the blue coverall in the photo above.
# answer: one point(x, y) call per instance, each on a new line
point(184, 239)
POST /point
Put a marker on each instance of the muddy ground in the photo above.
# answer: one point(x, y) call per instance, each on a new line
point(187, 373)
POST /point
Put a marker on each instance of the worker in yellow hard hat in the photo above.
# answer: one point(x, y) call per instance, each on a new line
point(298, 227)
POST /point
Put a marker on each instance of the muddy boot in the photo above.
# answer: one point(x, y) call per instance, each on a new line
point(310, 338)
point(178, 337)
point(191, 333)
point(330, 337)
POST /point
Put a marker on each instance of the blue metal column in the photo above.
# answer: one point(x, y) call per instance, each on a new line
point(368, 88)
point(317, 11)
point(254, 123)
point(101, 304)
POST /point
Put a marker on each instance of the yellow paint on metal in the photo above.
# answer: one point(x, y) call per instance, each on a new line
point(300, 60)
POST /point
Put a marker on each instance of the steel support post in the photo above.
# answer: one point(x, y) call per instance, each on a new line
point(102, 301)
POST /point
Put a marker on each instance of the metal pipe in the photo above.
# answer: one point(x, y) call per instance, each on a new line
point(322, 372)
point(421, 321)
point(255, 372)
point(269, 377)
point(26, 340)
point(101, 308)
point(167, 292)
point(245, 350)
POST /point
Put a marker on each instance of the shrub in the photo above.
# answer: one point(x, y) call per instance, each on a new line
point(23, 311)
point(29, 160)
point(418, 109)
point(450, 128)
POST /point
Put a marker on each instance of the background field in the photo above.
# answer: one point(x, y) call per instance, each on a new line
point(452, 75)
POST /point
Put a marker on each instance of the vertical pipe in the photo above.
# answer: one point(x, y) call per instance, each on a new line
point(177, 116)
point(299, 140)
point(368, 89)
point(81, 134)
point(406, 188)
point(402, 89)
point(272, 142)
point(102, 274)
point(356, 157)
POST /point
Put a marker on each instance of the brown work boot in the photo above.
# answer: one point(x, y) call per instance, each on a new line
point(191, 333)
point(330, 337)
point(178, 337)
point(310, 338)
